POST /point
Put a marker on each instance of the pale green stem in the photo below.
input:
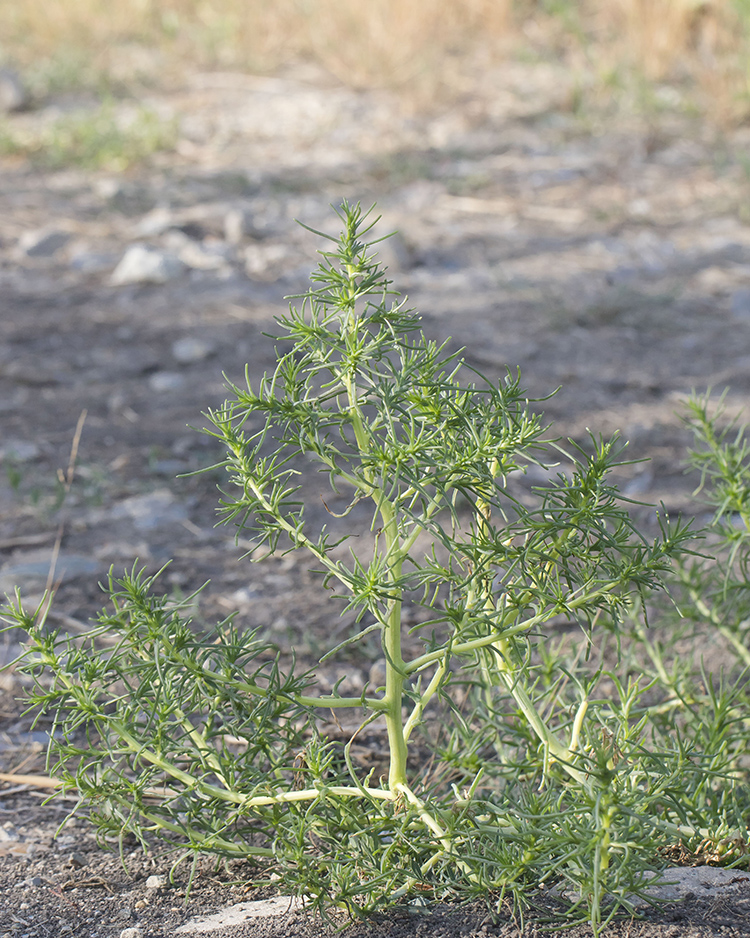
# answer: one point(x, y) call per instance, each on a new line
point(228, 847)
point(461, 647)
point(558, 750)
point(394, 673)
point(391, 636)
point(578, 725)
point(442, 836)
point(283, 797)
point(193, 783)
point(424, 699)
point(328, 701)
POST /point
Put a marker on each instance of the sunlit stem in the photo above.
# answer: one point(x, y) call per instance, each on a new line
point(395, 671)
point(432, 824)
point(427, 695)
point(575, 734)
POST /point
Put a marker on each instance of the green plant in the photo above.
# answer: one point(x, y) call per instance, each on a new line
point(99, 139)
point(718, 592)
point(546, 764)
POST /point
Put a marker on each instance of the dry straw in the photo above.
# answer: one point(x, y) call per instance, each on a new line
point(421, 45)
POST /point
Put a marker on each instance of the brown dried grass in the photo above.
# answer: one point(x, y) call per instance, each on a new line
point(402, 43)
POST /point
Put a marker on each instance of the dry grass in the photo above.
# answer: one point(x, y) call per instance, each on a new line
point(416, 44)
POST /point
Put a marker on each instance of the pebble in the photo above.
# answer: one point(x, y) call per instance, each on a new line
point(167, 467)
point(156, 222)
point(131, 932)
point(107, 188)
point(144, 264)
point(19, 451)
point(204, 256)
point(740, 303)
point(89, 262)
point(245, 596)
point(33, 574)
point(43, 242)
point(240, 913)
point(8, 832)
point(166, 381)
point(236, 225)
point(675, 884)
point(377, 674)
point(190, 349)
point(156, 881)
point(152, 510)
point(13, 94)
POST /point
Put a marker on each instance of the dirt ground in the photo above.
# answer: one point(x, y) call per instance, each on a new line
point(610, 257)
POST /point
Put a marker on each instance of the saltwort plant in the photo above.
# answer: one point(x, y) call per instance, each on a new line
point(549, 766)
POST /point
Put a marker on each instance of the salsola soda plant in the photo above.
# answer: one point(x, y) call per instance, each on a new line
point(545, 766)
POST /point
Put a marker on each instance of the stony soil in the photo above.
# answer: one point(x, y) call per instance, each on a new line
point(610, 257)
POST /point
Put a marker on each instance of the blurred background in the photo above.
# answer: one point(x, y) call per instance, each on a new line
point(617, 51)
point(570, 182)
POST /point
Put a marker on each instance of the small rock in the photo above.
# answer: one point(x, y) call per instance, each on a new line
point(33, 881)
point(740, 303)
point(167, 467)
point(190, 349)
point(639, 207)
point(156, 222)
point(119, 549)
point(33, 574)
point(91, 262)
point(107, 188)
point(77, 860)
point(245, 596)
point(44, 242)
point(19, 451)
point(13, 94)
point(236, 226)
point(166, 381)
point(678, 883)
point(714, 279)
point(144, 264)
point(206, 255)
point(131, 932)
point(279, 625)
point(156, 882)
point(153, 510)
point(239, 913)
point(196, 256)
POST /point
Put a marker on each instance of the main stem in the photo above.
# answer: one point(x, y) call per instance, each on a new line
point(394, 667)
point(391, 640)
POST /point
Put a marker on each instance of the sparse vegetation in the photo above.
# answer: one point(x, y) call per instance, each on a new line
point(102, 138)
point(430, 47)
point(581, 764)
